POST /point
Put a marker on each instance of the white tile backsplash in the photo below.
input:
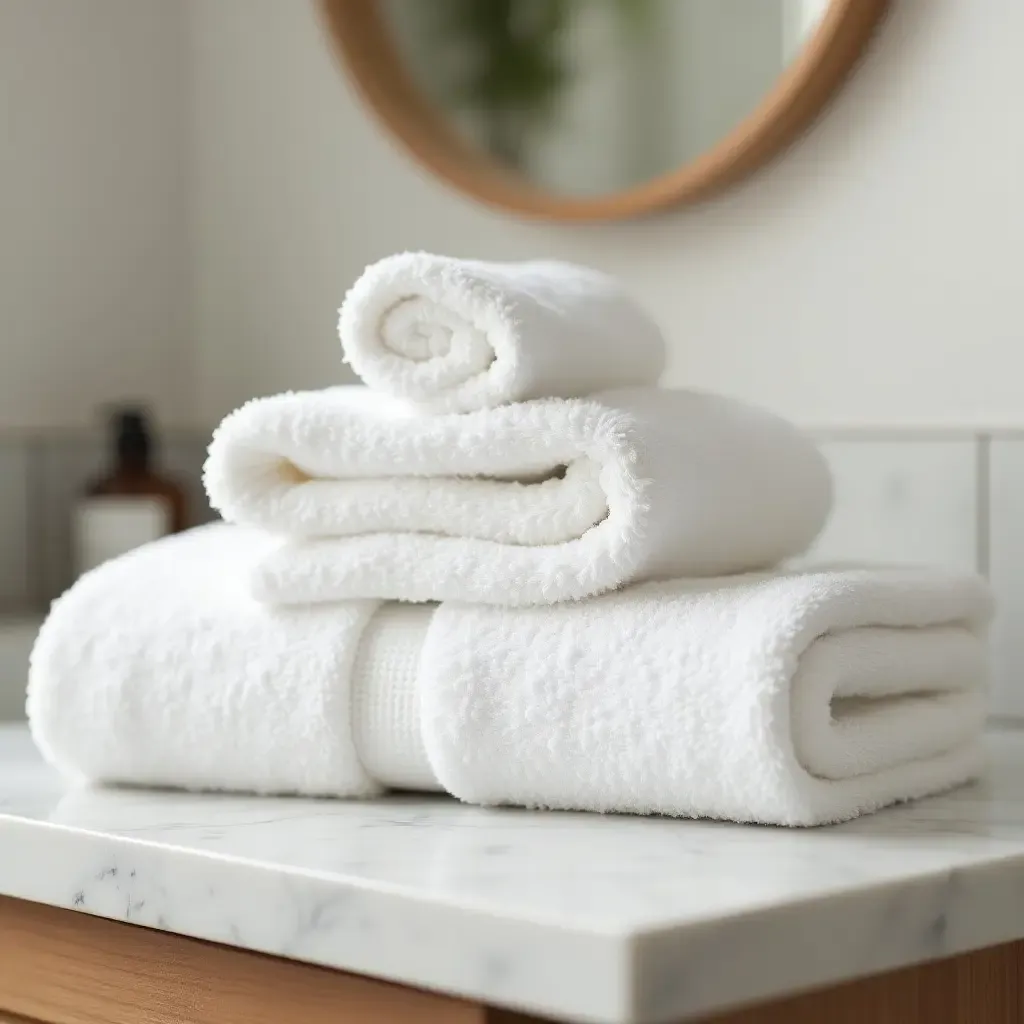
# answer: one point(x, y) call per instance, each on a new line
point(1006, 570)
point(15, 561)
point(182, 458)
point(66, 467)
point(903, 501)
point(16, 639)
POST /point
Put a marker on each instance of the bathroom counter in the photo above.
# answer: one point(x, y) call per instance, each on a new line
point(568, 916)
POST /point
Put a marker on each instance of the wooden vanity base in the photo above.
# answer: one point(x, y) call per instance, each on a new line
point(62, 967)
point(985, 987)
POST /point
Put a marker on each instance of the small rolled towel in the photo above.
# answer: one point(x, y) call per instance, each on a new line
point(787, 698)
point(456, 335)
point(532, 503)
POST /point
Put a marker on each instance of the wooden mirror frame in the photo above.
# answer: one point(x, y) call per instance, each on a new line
point(366, 49)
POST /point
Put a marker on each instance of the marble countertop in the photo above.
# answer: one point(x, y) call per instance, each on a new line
point(578, 917)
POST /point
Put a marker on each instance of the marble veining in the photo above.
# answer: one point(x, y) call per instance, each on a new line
point(578, 917)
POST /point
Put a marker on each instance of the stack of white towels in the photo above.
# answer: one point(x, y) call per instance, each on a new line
point(616, 628)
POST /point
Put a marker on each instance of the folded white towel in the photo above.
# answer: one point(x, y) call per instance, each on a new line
point(157, 668)
point(795, 699)
point(456, 335)
point(532, 503)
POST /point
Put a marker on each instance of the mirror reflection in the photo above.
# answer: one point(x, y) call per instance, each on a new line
point(588, 97)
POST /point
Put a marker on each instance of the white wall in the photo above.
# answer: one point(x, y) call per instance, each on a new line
point(870, 276)
point(92, 226)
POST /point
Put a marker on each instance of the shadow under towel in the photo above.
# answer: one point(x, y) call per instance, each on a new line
point(527, 504)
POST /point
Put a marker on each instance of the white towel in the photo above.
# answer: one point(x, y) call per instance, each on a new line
point(456, 335)
point(526, 504)
point(791, 699)
point(157, 668)
point(794, 699)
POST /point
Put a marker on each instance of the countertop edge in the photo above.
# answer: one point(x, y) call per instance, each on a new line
point(799, 947)
point(647, 976)
point(326, 922)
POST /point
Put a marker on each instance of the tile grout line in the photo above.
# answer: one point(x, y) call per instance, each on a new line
point(882, 435)
point(983, 504)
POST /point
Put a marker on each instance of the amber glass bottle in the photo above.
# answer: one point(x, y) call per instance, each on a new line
point(132, 503)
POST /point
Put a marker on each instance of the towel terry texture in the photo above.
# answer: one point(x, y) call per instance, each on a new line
point(792, 698)
point(156, 668)
point(456, 335)
point(527, 504)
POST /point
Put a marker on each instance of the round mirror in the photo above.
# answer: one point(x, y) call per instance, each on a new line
point(595, 109)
